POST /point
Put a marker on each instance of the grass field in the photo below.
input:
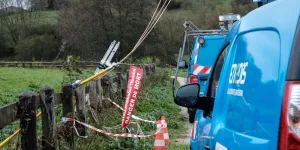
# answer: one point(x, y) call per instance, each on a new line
point(14, 81)
point(48, 17)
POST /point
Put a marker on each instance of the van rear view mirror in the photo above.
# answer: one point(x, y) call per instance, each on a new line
point(187, 95)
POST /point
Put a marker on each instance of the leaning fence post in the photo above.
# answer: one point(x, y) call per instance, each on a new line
point(68, 111)
point(48, 119)
point(81, 109)
point(28, 121)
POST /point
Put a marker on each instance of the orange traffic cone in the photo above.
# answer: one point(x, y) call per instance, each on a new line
point(165, 130)
point(159, 143)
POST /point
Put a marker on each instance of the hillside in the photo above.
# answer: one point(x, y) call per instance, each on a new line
point(88, 33)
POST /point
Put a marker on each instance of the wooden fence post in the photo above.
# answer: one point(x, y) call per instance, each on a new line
point(81, 109)
point(99, 91)
point(147, 69)
point(28, 121)
point(68, 111)
point(48, 119)
point(154, 68)
point(106, 86)
point(124, 84)
point(94, 95)
point(119, 83)
point(94, 100)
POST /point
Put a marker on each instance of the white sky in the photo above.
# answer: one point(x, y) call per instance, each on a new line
point(18, 3)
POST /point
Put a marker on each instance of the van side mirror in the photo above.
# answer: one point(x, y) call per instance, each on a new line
point(187, 95)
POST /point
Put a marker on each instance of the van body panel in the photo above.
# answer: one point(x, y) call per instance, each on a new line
point(247, 107)
point(203, 129)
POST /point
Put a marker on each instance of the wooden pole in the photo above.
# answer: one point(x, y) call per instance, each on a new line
point(99, 92)
point(81, 109)
point(48, 119)
point(68, 111)
point(124, 84)
point(28, 121)
point(106, 86)
point(119, 83)
point(94, 100)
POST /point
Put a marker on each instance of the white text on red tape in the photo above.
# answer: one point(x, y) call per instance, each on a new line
point(133, 88)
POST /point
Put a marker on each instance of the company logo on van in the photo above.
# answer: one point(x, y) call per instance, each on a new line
point(238, 73)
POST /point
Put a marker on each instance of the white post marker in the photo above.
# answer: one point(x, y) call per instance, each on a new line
point(110, 53)
point(112, 45)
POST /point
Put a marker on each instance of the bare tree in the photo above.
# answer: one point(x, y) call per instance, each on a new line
point(90, 25)
point(17, 16)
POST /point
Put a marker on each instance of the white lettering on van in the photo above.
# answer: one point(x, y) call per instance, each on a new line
point(235, 92)
point(238, 73)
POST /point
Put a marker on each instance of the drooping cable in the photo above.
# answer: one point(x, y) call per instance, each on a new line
point(147, 32)
point(151, 21)
point(151, 25)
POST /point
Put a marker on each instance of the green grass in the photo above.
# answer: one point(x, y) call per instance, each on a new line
point(172, 72)
point(179, 147)
point(47, 17)
point(14, 81)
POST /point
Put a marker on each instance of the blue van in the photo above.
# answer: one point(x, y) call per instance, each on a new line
point(257, 102)
point(201, 62)
point(206, 48)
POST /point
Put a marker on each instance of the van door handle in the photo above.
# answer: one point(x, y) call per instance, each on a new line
point(207, 147)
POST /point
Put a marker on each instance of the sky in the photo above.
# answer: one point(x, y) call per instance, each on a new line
point(18, 3)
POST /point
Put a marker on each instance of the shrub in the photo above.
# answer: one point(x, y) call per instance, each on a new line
point(41, 47)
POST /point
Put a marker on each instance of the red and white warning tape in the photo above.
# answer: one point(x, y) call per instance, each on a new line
point(65, 120)
point(197, 68)
point(133, 116)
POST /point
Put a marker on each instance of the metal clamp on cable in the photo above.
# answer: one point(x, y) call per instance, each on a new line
point(76, 83)
point(100, 66)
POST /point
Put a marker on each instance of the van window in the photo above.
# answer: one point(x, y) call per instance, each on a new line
point(294, 67)
point(217, 72)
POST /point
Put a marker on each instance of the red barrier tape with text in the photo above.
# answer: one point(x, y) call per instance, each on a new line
point(133, 88)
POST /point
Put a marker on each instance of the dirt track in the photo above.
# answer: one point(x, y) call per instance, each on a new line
point(183, 112)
